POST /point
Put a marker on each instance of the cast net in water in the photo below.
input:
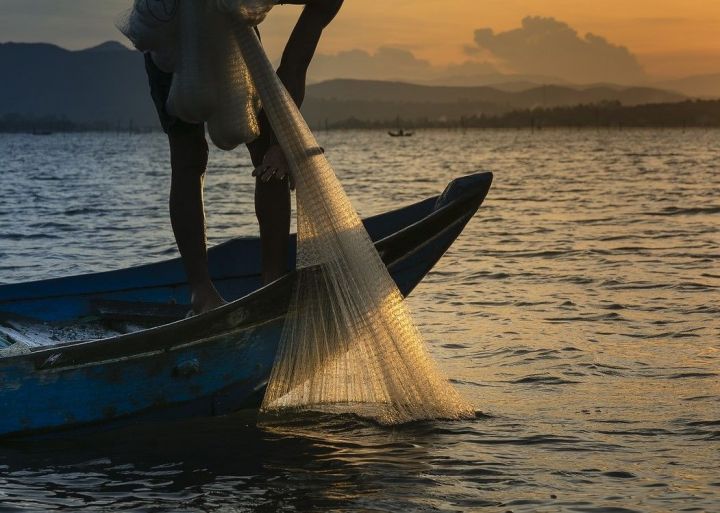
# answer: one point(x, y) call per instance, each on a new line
point(348, 344)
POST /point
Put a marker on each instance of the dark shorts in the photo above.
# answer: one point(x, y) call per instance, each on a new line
point(159, 90)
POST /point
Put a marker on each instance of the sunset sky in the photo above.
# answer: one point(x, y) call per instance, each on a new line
point(668, 38)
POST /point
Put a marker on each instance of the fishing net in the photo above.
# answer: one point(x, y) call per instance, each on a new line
point(236, 122)
point(194, 40)
point(348, 344)
point(151, 25)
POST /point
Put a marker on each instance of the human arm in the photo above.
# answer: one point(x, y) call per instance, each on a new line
point(292, 72)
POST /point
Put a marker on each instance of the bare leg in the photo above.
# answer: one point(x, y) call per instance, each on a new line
point(188, 155)
point(272, 197)
point(272, 207)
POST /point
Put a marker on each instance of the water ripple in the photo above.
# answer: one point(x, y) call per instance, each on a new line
point(578, 312)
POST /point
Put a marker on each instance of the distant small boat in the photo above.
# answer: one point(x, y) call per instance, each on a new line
point(41, 132)
point(400, 133)
point(155, 365)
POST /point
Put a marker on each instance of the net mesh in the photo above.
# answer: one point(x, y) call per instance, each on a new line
point(348, 343)
point(234, 122)
point(194, 39)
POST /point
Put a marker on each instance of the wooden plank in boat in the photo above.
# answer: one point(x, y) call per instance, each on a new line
point(138, 311)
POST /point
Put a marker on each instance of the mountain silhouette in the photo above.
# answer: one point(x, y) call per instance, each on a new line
point(107, 85)
point(701, 86)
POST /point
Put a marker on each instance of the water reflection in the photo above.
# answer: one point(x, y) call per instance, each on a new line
point(578, 309)
point(333, 463)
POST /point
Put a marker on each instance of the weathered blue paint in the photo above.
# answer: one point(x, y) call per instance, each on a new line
point(210, 364)
point(234, 266)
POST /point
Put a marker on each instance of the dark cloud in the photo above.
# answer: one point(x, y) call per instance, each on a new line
point(389, 64)
point(472, 50)
point(546, 46)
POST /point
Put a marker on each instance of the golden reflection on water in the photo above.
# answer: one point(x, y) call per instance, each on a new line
point(579, 311)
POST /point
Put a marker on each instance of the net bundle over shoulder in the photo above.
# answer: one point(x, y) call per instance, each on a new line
point(349, 343)
point(194, 39)
point(235, 121)
point(151, 25)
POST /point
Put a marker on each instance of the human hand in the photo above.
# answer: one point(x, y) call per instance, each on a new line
point(274, 166)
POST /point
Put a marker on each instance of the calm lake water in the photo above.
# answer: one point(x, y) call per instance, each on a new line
point(579, 311)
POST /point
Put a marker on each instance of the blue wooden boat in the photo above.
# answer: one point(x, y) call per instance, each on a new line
point(160, 366)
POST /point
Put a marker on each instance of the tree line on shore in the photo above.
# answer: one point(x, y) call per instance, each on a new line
point(691, 113)
point(19, 123)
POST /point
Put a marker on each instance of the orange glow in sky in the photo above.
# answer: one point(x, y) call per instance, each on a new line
point(669, 37)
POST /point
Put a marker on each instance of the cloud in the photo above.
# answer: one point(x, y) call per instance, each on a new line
point(541, 49)
point(472, 50)
point(386, 63)
point(390, 64)
point(546, 46)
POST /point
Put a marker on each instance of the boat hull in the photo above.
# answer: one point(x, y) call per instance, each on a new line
point(211, 364)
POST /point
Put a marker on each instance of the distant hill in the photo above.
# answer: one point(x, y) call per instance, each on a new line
point(107, 46)
point(336, 100)
point(689, 113)
point(107, 85)
point(701, 86)
point(550, 95)
point(514, 82)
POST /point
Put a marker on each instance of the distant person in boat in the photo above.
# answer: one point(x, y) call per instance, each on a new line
point(189, 156)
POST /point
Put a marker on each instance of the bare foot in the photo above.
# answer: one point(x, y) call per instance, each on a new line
point(206, 298)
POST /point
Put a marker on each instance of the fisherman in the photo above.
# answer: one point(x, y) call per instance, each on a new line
point(273, 181)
